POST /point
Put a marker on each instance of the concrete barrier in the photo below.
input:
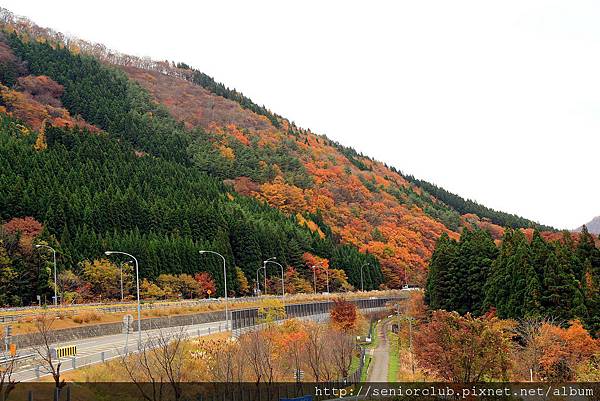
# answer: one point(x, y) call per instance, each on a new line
point(105, 329)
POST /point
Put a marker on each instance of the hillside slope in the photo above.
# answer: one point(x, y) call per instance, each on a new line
point(334, 191)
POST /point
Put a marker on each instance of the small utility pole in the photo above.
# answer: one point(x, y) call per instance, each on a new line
point(410, 345)
point(410, 336)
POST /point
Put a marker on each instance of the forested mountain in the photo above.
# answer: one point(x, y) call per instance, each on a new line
point(109, 150)
point(127, 183)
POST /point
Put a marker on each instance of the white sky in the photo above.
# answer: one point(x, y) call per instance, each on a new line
point(496, 101)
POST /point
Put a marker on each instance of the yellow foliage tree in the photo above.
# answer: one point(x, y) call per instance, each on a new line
point(270, 311)
point(40, 142)
point(244, 287)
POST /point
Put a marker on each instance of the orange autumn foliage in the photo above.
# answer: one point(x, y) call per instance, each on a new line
point(288, 198)
point(311, 225)
point(27, 228)
point(564, 350)
point(464, 349)
point(339, 190)
point(343, 315)
point(36, 105)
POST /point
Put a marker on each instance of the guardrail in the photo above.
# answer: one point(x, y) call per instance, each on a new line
point(244, 318)
point(17, 358)
point(117, 308)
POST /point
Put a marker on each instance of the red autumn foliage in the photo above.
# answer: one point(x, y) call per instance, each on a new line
point(343, 315)
point(27, 227)
point(194, 105)
point(8, 58)
point(35, 113)
point(206, 283)
point(244, 185)
point(42, 89)
point(463, 348)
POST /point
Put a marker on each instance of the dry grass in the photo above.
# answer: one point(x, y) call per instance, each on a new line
point(76, 316)
point(113, 371)
point(87, 317)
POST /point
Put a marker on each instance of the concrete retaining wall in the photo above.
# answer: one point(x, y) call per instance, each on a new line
point(105, 329)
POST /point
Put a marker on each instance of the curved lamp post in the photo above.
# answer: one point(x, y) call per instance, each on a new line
point(362, 285)
point(54, 257)
point(258, 282)
point(137, 279)
point(272, 260)
point(225, 280)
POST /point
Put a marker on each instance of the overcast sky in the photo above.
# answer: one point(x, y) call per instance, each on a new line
point(496, 101)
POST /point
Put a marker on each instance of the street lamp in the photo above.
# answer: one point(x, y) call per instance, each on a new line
point(54, 256)
point(362, 285)
point(122, 294)
point(137, 279)
point(258, 282)
point(272, 260)
point(225, 280)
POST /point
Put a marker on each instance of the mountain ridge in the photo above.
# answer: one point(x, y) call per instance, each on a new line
point(593, 226)
point(365, 203)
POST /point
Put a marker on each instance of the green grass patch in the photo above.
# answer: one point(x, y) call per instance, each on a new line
point(354, 364)
point(363, 376)
point(373, 335)
point(394, 357)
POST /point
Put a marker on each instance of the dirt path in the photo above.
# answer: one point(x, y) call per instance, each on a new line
point(378, 368)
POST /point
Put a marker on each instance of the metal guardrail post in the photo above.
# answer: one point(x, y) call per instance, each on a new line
point(74, 362)
point(102, 357)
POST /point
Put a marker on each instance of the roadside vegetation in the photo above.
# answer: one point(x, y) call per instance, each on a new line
point(99, 314)
point(450, 347)
point(323, 352)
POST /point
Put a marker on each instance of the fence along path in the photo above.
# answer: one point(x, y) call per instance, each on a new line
point(243, 319)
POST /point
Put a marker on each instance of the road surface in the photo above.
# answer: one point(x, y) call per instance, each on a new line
point(378, 368)
point(98, 349)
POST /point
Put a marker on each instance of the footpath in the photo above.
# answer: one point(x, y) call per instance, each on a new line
point(378, 368)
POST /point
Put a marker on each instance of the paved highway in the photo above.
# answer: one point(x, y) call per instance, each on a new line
point(99, 349)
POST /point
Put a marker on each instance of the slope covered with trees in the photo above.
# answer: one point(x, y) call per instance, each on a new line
point(179, 115)
point(129, 184)
point(558, 280)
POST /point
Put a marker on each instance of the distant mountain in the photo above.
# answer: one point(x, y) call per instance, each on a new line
point(593, 226)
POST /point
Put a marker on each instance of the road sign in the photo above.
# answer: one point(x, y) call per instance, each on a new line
point(127, 327)
point(8, 331)
point(298, 374)
point(13, 349)
point(61, 352)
